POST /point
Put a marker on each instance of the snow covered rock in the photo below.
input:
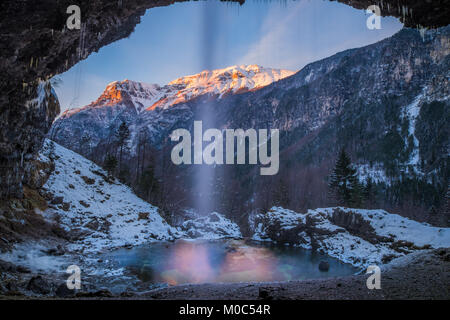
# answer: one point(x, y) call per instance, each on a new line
point(356, 236)
point(96, 211)
point(211, 226)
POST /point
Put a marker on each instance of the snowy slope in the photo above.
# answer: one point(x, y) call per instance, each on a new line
point(356, 236)
point(105, 214)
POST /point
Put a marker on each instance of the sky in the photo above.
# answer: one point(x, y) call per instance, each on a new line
point(187, 38)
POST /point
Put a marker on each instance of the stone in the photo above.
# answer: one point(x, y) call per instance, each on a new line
point(58, 251)
point(39, 285)
point(264, 294)
point(324, 266)
point(22, 269)
point(96, 294)
point(66, 206)
point(84, 204)
point(57, 200)
point(63, 292)
point(143, 215)
point(214, 218)
point(88, 180)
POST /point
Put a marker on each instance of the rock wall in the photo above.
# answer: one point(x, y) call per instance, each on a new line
point(412, 13)
point(35, 45)
point(25, 119)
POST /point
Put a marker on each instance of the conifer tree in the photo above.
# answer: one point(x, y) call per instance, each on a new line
point(281, 194)
point(110, 164)
point(149, 184)
point(447, 202)
point(369, 192)
point(344, 186)
point(122, 135)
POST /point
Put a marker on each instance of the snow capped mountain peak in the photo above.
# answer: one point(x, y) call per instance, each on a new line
point(234, 79)
point(139, 93)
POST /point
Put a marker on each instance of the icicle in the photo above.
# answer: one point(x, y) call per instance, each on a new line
point(422, 31)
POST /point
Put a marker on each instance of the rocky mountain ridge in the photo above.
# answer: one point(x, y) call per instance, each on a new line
point(376, 101)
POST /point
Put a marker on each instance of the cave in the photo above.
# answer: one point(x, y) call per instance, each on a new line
point(36, 45)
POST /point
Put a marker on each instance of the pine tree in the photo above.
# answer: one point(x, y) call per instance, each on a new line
point(447, 202)
point(369, 192)
point(281, 194)
point(124, 174)
point(122, 135)
point(85, 143)
point(110, 164)
point(149, 184)
point(344, 185)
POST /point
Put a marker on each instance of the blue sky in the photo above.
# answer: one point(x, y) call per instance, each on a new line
point(186, 38)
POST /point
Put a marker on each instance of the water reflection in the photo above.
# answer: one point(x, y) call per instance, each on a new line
point(224, 261)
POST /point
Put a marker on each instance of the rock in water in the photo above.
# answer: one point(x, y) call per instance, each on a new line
point(324, 266)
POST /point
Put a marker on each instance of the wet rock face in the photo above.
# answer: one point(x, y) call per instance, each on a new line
point(35, 45)
point(355, 224)
point(23, 128)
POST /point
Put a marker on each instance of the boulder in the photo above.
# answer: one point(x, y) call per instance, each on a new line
point(88, 180)
point(57, 200)
point(63, 292)
point(96, 294)
point(57, 251)
point(143, 215)
point(66, 206)
point(214, 217)
point(324, 266)
point(39, 285)
point(84, 204)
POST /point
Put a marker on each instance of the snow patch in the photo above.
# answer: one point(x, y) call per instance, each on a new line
point(105, 213)
point(391, 231)
point(411, 112)
point(375, 172)
point(211, 226)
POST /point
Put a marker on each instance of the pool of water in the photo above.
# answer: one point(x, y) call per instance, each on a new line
point(224, 261)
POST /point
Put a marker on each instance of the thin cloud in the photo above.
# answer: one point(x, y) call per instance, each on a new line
point(273, 49)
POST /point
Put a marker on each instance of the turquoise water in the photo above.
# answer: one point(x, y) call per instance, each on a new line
point(224, 261)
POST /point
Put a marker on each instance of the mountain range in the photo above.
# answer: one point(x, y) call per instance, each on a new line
point(386, 104)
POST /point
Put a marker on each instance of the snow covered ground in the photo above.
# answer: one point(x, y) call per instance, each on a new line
point(356, 236)
point(99, 213)
point(105, 213)
point(211, 226)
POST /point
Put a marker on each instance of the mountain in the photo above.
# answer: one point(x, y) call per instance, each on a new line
point(129, 100)
point(92, 217)
point(220, 82)
point(386, 104)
